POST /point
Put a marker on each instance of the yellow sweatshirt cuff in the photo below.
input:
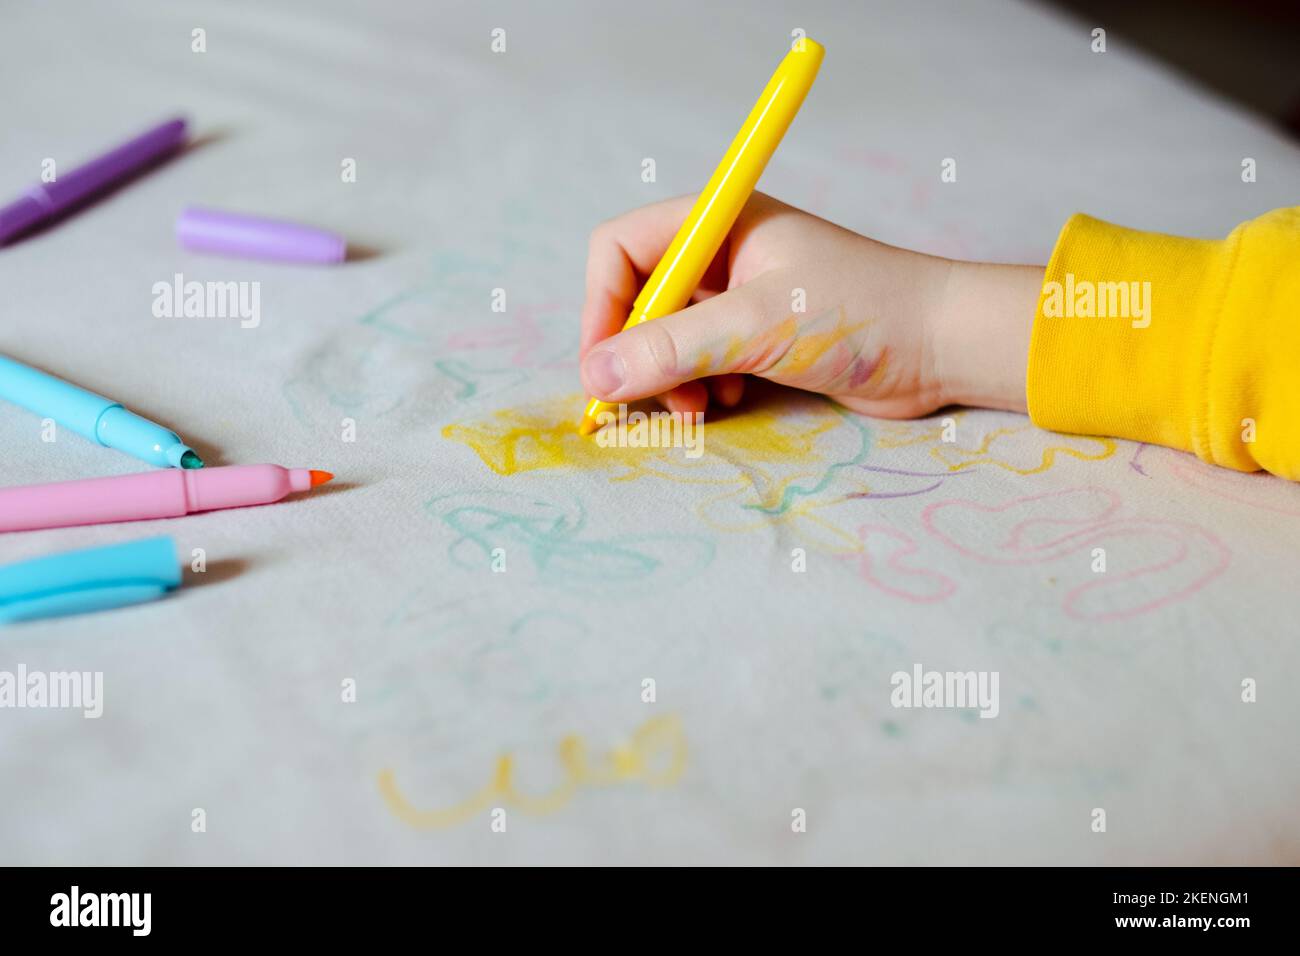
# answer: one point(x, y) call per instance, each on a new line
point(1188, 343)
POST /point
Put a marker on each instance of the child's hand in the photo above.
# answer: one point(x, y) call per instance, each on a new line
point(800, 301)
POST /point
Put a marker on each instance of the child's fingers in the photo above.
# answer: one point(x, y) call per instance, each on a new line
point(728, 389)
point(622, 252)
point(721, 334)
point(686, 399)
point(691, 397)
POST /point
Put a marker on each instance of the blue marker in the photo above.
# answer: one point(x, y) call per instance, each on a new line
point(94, 579)
point(93, 416)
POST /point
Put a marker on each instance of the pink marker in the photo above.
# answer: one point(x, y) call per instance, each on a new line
point(168, 493)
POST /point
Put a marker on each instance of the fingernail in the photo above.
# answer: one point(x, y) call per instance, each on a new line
point(604, 372)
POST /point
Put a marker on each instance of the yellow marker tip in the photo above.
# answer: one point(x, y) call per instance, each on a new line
point(320, 477)
point(587, 425)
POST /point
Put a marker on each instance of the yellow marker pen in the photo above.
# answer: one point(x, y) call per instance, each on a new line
point(682, 267)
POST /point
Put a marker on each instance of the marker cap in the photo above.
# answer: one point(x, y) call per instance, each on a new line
point(47, 200)
point(92, 579)
point(20, 215)
point(234, 234)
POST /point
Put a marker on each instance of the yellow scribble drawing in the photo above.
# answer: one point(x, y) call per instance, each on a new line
point(541, 436)
point(790, 350)
point(655, 756)
point(733, 512)
point(906, 433)
point(809, 348)
point(764, 349)
point(773, 464)
point(957, 458)
point(735, 348)
point(992, 449)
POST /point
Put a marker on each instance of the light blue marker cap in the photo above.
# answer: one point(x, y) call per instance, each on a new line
point(94, 579)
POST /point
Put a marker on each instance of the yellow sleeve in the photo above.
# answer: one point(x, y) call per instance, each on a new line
point(1190, 343)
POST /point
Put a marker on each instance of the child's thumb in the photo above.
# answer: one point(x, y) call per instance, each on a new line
point(708, 338)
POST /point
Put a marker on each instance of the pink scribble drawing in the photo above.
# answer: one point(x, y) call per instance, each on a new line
point(873, 159)
point(1180, 535)
point(1018, 547)
point(922, 190)
point(914, 194)
point(1257, 490)
point(521, 330)
point(929, 586)
point(821, 187)
point(1193, 556)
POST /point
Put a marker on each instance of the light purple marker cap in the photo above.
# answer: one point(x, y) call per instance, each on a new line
point(251, 237)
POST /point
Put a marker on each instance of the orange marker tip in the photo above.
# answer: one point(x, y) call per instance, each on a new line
point(320, 477)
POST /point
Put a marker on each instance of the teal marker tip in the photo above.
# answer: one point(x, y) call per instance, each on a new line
point(102, 420)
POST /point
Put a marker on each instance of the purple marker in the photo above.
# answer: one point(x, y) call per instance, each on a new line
point(233, 234)
point(44, 201)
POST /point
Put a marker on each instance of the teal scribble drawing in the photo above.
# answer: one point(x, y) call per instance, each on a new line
point(555, 542)
point(478, 382)
point(386, 358)
point(457, 284)
point(376, 316)
point(531, 661)
point(348, 376)
point(792, 492)
point(454, 283)
point(852, 665)
point(424, 604)
point(534, 619)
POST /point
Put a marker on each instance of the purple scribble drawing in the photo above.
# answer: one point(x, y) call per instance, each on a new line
point(941, 475)
point(1133, 462)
